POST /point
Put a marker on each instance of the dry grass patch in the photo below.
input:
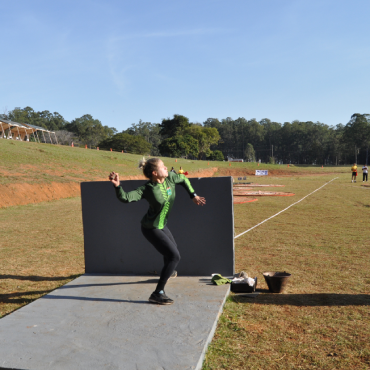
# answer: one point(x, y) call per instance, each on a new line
point(41, 249)
point(323, 320)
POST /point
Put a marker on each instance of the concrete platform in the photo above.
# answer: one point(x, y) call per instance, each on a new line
point(105, 322)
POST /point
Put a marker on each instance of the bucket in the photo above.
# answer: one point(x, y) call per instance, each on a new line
point(276, 281)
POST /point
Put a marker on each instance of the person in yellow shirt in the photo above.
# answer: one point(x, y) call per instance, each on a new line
point(354, 172)
point(181, 171)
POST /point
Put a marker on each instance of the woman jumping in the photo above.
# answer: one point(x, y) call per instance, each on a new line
point(159, 191)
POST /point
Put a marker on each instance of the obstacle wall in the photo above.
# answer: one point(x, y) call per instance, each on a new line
point(205, 235)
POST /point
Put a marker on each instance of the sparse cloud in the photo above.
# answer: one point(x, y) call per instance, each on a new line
point(191, 32)
point(120, 54)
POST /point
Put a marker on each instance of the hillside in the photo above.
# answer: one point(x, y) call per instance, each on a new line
point(33, 172)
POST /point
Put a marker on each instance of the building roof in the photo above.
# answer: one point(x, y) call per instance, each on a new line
point(37, 127)
point(24, 125)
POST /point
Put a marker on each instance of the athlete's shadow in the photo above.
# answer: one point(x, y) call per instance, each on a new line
point(310, 300)
point(21, 297)
point(96, 299)
point(38, 278)
point(93, 299)
point(71, 285)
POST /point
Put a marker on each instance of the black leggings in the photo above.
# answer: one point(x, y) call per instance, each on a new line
point(364, 177)
point(165, 244)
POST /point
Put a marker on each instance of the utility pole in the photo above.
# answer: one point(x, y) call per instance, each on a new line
point(243, 140)
point(272, 151)
point(355, 154)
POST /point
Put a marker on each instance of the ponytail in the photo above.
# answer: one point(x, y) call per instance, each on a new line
point(148, 166)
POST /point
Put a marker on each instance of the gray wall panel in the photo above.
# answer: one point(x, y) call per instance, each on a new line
point(204, 235)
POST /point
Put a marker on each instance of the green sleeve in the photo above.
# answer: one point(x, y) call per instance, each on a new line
point(183, 181)
point(131, 196)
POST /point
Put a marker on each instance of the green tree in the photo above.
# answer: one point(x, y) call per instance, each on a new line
point(205, 136)
point(20, 115)
point(271, 138)
point(235, 134)
point(90, 131)
point(179, 146)
point(149, 131)
point(50, 121)
point(216, 155)
point(126, 142)
point(226, 130)
point(175, 126)
point(335, 143)
point(249, 153)
point(356, 133)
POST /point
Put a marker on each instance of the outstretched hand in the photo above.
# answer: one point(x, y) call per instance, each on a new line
point(114, 178)
point(199, 201)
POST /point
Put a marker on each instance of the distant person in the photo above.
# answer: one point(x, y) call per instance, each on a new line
point(173, 170)
point(354, 172)
point(159, 191)
point(181, 171)
point(364, 173)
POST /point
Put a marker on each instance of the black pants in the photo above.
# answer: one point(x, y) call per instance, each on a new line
point(364, 177)
point(165, 244)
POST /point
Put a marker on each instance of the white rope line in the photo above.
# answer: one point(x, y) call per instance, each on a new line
point(284, 209)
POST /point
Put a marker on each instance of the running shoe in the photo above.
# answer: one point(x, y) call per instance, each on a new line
point(174, 274)
point(160, 298)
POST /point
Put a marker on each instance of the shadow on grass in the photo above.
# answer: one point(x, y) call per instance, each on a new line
point(39, 278)
point(318, 299)
point(69, 286)
point(19, 297)
point(92, 299)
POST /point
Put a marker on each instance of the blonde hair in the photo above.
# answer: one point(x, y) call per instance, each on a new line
point(148, 166)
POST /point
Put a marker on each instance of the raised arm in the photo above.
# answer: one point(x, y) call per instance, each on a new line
point(125, 197)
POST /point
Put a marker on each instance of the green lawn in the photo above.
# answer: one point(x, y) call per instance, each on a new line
point(44, 163)
point(41, 249)
point(323, 319)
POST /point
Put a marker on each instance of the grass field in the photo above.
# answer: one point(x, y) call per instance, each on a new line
point(321, 322)
point(323, 319)
point(41, 249)
point(33, 163)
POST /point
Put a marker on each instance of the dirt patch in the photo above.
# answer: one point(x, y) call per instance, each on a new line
point(281, 173)
point(209, 172)
point(21, 194)
point(5, 173)
point(241, 200)
point(245, 172)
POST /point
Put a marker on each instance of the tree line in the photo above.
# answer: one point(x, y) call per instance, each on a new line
point(296, 142)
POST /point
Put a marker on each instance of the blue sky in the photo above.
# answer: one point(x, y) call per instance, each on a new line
point(122, 61)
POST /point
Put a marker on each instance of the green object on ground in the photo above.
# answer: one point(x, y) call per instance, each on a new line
point(220, 280)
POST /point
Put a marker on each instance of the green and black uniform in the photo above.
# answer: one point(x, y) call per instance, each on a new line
point(161, 198)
